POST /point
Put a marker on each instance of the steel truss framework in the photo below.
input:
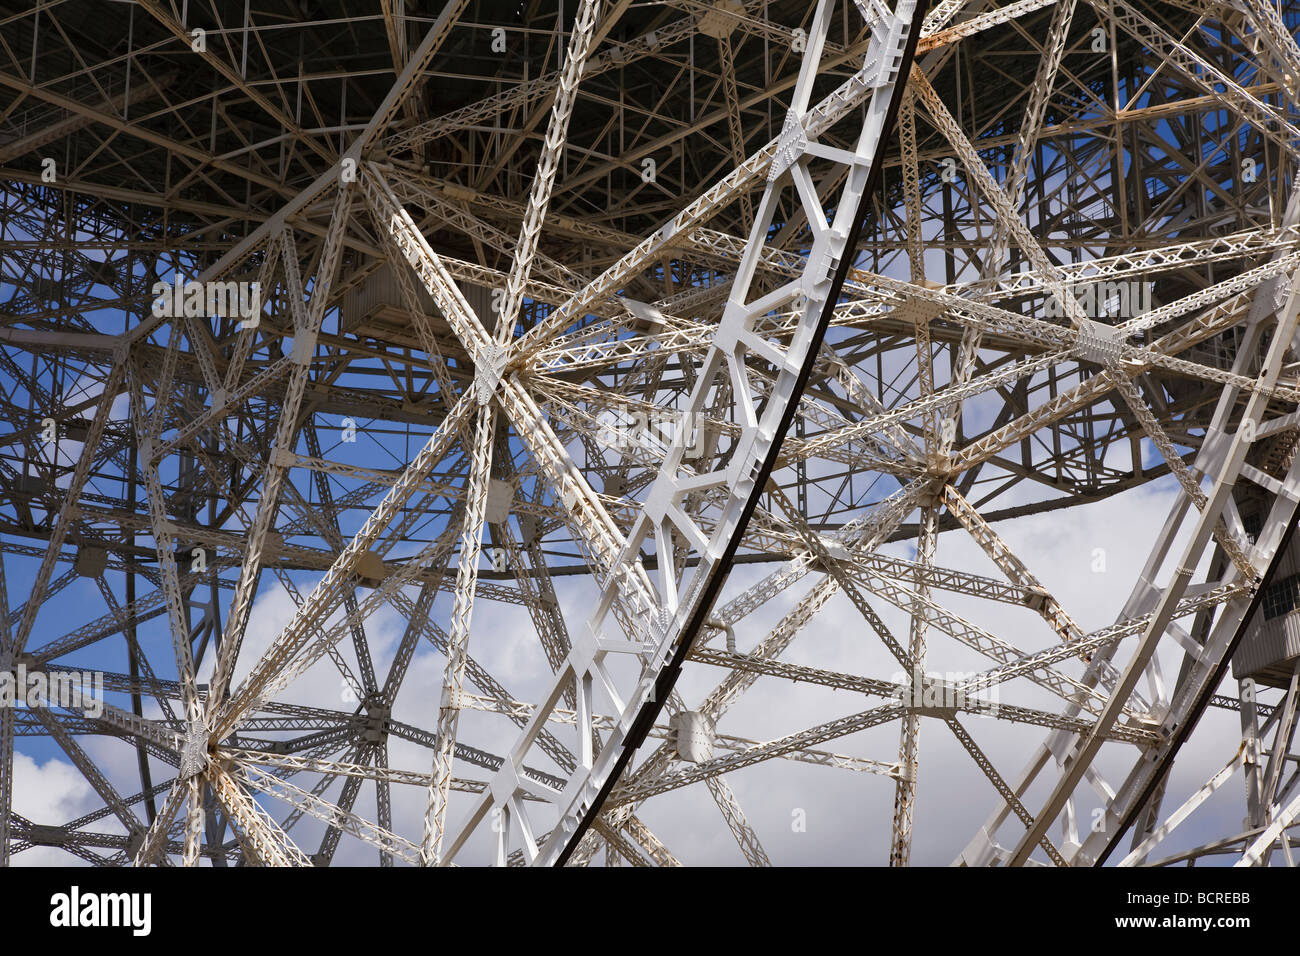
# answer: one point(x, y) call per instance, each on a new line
point(608, 352)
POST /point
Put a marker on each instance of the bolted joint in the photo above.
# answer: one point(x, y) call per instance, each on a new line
point(1035, 599)
point(1099, 344)
point(134, 843)
point(933, 495)
point(790, 145)
point(491, 366)
point(195, 755)
point(375, 728)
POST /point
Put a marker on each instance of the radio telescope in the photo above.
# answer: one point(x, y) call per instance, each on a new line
point(458, 432)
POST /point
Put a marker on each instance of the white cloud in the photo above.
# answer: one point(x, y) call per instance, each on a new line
point(49, 793)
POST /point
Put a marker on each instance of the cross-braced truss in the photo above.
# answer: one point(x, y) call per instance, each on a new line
point(464, 432)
